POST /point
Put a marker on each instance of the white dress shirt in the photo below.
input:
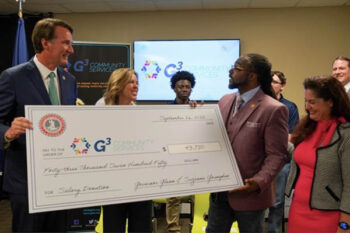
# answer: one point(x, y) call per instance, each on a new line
point(44, 72)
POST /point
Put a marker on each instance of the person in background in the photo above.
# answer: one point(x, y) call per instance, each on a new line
point(182, 83)
point(41, 81)
point(341, 71)
point(275, 218)
point(278, 83)
point(320, 166)
point(122, 89)
point(257, 127)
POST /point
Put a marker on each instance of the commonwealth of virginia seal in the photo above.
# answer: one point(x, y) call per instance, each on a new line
point(52, 125)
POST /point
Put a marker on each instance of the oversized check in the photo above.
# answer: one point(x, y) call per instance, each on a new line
point(81, 156)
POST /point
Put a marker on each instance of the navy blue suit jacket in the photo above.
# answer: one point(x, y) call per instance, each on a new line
point(19, 86)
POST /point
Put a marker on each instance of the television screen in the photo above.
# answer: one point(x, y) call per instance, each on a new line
point(208, 60)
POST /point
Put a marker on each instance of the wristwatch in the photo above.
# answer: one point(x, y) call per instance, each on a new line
point(344, 225)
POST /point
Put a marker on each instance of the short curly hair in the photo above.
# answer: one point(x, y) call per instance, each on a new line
point(182, 75)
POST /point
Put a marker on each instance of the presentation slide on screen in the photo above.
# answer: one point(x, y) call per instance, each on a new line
point(208, 60)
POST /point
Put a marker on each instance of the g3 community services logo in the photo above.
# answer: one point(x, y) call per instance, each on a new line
point(52, 125)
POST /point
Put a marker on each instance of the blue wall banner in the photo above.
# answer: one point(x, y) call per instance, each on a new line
point(92, 63)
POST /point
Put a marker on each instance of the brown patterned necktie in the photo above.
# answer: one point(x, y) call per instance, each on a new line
point(238, 104)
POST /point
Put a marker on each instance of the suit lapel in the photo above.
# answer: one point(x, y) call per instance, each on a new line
point(245, 112)
point(227, 109)
point(35, 77)
point(61, 80)
point(63, 86)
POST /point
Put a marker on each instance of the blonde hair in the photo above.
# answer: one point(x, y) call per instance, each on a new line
point(118, 79)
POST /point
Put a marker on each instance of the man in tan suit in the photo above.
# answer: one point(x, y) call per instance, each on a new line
point(258, 130)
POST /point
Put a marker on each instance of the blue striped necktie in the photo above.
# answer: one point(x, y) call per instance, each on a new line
point(53, 90)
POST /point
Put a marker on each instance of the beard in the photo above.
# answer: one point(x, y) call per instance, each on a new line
point(232, 84)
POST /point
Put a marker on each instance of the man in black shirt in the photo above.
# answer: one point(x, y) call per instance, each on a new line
point(182, 83)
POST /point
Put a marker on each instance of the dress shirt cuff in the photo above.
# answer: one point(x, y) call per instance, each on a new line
point(7, 142)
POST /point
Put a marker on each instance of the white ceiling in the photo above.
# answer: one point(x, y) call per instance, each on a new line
point(80, 6)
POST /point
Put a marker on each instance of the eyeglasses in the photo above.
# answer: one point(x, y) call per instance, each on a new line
point(275, 82)
point(237, 69)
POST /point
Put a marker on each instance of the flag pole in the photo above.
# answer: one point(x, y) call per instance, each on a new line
point(20, 7)
point(20, 51)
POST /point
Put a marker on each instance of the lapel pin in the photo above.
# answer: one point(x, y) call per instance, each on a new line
point(252, 106)
point(64, 78)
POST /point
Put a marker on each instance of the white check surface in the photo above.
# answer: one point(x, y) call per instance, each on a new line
point(115, 154)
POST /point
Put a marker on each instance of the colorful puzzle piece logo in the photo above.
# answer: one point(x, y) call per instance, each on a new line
point(151, 69)
point(80, 146)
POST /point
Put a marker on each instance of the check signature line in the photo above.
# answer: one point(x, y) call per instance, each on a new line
point(80, 193)
point(183, 183)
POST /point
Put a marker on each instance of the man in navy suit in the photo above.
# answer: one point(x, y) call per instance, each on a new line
point(33, 83)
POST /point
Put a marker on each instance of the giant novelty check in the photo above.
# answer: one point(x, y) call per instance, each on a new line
point(81, 156)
